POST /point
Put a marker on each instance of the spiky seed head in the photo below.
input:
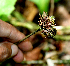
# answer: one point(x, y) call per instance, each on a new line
point(46, 23)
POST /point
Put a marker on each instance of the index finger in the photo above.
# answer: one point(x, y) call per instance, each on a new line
point(9, 31)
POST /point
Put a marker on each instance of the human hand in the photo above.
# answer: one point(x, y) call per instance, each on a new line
point(8, 36)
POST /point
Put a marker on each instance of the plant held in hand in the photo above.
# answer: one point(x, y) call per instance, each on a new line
point(46, 24)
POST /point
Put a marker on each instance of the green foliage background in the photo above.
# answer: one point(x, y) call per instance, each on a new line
point(6, 8)
point(43, 5)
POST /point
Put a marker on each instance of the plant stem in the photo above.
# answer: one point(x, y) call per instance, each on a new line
point(57, 28)
point(51, 7)
point(45, 61)
point(33, 62)
point(28, 36)
point(62, 37)
point(57, 37)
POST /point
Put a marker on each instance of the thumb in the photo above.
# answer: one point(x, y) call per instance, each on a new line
point(7, 50)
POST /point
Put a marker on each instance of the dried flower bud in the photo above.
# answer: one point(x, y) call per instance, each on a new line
point(46, 23)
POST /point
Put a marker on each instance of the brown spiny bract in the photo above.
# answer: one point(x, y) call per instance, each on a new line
point(46, 23)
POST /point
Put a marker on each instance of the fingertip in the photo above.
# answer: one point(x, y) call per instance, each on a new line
point(18, 57)
point(25, 46)
point(14, 50)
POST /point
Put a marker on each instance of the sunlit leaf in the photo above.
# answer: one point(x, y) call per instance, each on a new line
point(6, 7)
point(43, 5)
point(56, 0)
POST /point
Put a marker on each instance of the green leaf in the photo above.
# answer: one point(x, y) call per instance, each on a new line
point(43, 5)
point(56, 1)
point(6, 8)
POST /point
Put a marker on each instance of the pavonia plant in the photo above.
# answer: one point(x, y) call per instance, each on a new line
point(46, 24)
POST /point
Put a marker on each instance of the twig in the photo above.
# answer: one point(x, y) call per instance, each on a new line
point(51, 7)
point(57, 37)
point(62, 37)
point(46, 23)
point(61, 61)
point(33, 62)
point(28, 36)
point(43, 61)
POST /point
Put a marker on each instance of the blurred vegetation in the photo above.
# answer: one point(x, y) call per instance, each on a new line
point(43, 5)
point(24, 15)
point(6, 8)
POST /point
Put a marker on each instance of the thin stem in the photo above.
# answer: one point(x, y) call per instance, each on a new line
point(64, 30)
point(51, 7)
point(28, 36)
point(45, 61)
point(33, 62)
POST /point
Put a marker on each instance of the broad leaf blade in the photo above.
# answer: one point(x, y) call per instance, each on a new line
point(6, 8)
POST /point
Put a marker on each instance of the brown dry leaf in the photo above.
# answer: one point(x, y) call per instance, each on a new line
point(60, 65)
point(33, 55)
point(30, 10)
point(62, 16)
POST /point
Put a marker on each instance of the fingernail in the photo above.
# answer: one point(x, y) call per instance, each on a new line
point(24, 59)
point(14, 50)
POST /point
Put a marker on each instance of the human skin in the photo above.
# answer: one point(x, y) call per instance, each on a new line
point(7, 47)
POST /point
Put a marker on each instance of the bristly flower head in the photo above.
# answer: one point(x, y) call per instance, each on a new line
point(46, 23)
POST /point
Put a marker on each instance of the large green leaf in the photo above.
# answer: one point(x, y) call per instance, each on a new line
point(43, 5)
point(56, 1)
point(6, 7)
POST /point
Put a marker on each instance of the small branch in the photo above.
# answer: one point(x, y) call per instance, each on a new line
point(28, 36)
point(63, 33)
point(61, 61)
point(43, 61)
point(62, 30)
point(33, 62)
point(28, 25)
point(57, 37)
point(62, 37)
point(51, 7)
